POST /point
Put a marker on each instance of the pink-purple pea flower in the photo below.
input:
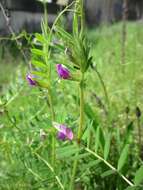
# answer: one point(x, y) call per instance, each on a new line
point(63, 72)
point(64, 133)
point(31, 80)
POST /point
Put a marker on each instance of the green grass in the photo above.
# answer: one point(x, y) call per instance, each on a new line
point(124, 88)
point(27, 113)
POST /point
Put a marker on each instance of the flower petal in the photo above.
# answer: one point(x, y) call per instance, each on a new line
point(30, 80)
point(61, 136)
point(63, 131)
point(63, 72)
point(69, 134)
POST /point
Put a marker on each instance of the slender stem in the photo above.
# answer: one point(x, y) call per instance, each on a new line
point(78, 6)
point(81, 121)
point(82, 15)
point(81, 85)
point(74, 172)
point(51, 105)
point(52, 120)
point(110, 166)
point(75, 19)
point(80, 129)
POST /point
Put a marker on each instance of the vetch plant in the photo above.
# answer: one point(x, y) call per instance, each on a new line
point(78, 57)
point(102, 157)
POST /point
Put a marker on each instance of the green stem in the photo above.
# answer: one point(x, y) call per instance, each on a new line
point(110, 166)
point(81, 121)
point(51, 105)
point(74, 172)
point(82, 15)
point(75, 19)
point(80, 130)
point(52, 120)
point(78, 5)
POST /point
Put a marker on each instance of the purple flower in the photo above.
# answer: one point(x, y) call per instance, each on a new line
point(63, 72)
point(64, 133)
point(31, 80)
